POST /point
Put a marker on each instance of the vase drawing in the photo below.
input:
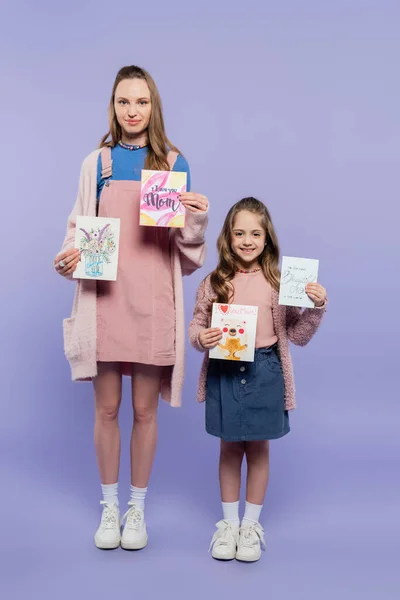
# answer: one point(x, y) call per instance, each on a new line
point(94, 265)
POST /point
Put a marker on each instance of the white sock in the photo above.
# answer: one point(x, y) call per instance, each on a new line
point(230, 511)
point(138, 496)
point(110, 492)
point(251, 514)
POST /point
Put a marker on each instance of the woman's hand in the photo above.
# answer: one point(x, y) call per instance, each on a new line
point(196, 203)
point(317, 293)
point(66, 262)
point(209, 338)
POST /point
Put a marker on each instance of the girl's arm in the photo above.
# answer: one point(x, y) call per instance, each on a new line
point(301, 325)
point(201, 317)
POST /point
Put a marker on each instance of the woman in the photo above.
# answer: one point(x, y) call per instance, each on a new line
point(132, 326)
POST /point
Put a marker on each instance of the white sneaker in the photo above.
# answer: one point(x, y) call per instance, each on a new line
point(108, 535)
point(251, 540)
point(134, 534)
point(224, 541)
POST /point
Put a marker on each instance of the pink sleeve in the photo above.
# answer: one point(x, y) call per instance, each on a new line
point(201, 316)
point(69, 240)
point(301, 325)
point(190, 241)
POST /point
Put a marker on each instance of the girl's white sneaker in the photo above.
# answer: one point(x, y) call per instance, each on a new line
point(224, 542)
point(134, 534)
point(251, 540)
point(108, 535)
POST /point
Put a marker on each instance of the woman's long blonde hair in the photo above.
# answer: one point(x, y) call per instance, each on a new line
point(222, 276)
point(159, 144)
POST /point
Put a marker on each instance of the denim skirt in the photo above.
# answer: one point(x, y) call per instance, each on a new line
point(246, 401)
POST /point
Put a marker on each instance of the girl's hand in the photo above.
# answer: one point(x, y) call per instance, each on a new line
point(194, 202)
point(66, 262)
point(317, 293)
point(209, 338)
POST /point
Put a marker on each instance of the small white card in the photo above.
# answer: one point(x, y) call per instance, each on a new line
point(295, 274)
point(98, 240)
point(238, 324)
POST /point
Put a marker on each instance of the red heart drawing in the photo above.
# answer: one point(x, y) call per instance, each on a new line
point(224, 308)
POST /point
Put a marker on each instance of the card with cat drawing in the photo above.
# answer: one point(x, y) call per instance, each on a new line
point(238, 324)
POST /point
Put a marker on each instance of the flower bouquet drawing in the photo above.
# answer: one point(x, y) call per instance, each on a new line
point(97, 238)
point(97, 245)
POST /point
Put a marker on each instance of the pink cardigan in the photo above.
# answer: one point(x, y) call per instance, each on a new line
point(290, 323)
point(187, 255)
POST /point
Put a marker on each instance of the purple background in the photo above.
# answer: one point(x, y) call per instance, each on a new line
point(296, 103)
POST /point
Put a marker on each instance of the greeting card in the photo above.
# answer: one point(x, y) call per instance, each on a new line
point(238, 324)
point(160, 204)
point(98, 240)
point(295, 274)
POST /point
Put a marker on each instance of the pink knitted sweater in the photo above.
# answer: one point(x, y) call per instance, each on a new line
point(290, 324)
point(187, 255)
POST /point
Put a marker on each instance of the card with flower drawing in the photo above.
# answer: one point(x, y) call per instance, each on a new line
point(160, 204)
point(98, 240)
point(238, 324)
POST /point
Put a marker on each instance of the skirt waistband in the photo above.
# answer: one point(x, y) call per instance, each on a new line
point(260, 352)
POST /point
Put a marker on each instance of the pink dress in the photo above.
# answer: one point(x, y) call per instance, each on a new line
point(135, 313)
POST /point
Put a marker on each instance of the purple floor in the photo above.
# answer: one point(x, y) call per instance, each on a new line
point(331, 519)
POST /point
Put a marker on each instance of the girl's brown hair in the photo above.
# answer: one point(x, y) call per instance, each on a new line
point(222, 276)
point(159, 144)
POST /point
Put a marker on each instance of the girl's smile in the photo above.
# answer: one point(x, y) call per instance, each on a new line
point(247, 250)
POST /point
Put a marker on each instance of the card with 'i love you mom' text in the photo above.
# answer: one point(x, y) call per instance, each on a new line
point(238, 324)
point(160, 204)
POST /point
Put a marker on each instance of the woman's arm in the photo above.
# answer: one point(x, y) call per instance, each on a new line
point(69, 240)
point(190, 239)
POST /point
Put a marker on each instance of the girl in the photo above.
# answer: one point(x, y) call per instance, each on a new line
point(247, 404)
point(133, 326)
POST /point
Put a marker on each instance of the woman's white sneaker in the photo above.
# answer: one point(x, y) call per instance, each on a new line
point(134, 534)
point(251, 540)
point(224, 542)
point(108, 535)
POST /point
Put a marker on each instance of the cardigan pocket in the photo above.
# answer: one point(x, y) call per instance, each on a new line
point(71, 349)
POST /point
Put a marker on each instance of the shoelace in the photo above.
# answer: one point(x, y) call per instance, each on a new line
point(109, 516)
point(223, 535)
point(133, 517)
point(247, 534)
